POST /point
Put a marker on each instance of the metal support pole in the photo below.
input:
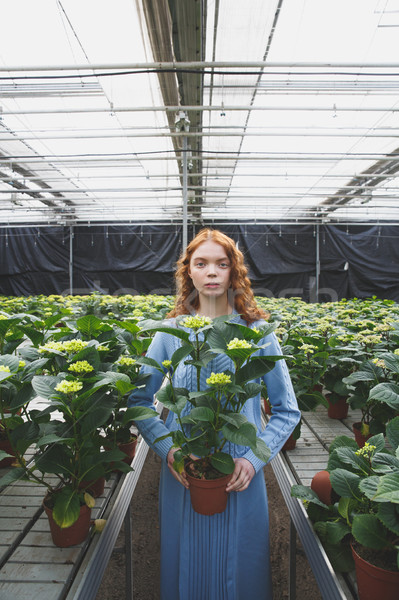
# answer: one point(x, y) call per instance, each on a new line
point(128, 555)
point(70, 266)
point(184, 193)
point(292, 563)
point(317, 262)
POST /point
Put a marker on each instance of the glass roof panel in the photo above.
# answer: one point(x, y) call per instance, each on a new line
point(299, 116)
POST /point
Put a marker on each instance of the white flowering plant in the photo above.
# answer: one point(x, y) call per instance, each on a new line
point(210, 418)
point(374, 388)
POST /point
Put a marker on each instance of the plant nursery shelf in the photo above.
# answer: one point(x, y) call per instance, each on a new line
point(299, 466)
point(32, 568)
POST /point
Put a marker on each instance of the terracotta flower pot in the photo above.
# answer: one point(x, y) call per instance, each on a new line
point(64, 537)
point(339, 409)
point(208, 496)
point(8, 460)
point(129, 449)
point(322, 486)
point(290, 443)
point(359, 437)
point(95, 487)
point(374, 582)
point(267, 407)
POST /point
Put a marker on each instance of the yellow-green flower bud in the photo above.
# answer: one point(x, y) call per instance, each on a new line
point(68, 387)
point(81, 366)
point(126, 361)
point(196, 322)
point(218, 379)
point(237, 343)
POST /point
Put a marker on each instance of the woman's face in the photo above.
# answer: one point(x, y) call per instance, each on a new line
point(210, 269)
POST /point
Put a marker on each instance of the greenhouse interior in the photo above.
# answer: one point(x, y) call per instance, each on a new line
point(127, 128)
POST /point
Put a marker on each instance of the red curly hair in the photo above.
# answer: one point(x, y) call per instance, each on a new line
point(241, 290)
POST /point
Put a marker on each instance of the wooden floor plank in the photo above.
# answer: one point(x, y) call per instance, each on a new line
point(49, 555)
point(15, 590)
point(54, 573)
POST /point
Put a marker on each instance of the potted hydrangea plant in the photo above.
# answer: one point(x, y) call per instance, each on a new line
point(362, 520)
point(67, 435)
point(210, 417)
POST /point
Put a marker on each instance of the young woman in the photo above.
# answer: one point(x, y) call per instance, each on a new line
point(224, 556)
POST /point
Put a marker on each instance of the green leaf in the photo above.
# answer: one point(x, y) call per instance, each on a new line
point(89, 325)
point(391, 361)
point(388, 489)
point(389, 515)
point(4, 375)
point(220, 335)
point(369, 486)
point(332, 532)
point(54, 459)
point(369, 531)
point(6, 324)
point(53, 438)
point(393, 432)
point(255, 368)
point(261, 450)
point(174, 402)
point(9, 360)
point(150, 362)
point(138, 413)
point(236, 419)
point(303, 492)
point(358, 376)
point(202, 413)
point(44, 385)
point(33, 334)
point(154, 326)
point(94, 419)
point(181, 353)
point(345, 506)
point(110, 378)
point(91, 354)
point(124, 387)
point(349, 457)
point(378, 441)
point(244, 436)
point(66, 507)
point(345, 483)
point(129, 326)
point(384, 463)
point(24, 435)
point(16, 474)
point(223, 462)
point(252, 389)
point(343, 441)
point(310, 400)
point(388, 393)
point(340, 557)
point(4, 454)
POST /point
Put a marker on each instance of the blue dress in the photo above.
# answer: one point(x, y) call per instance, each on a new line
point(224, 556)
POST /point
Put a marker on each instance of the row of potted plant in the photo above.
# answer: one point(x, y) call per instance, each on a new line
point(77, 361)
point(342, 355)
point(84, 369)
point(354, 506)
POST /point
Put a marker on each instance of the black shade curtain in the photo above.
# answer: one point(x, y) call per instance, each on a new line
point(354, 261)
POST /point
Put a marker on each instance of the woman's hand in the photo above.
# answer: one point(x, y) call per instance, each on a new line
point(242, 475)
point(181, 477)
